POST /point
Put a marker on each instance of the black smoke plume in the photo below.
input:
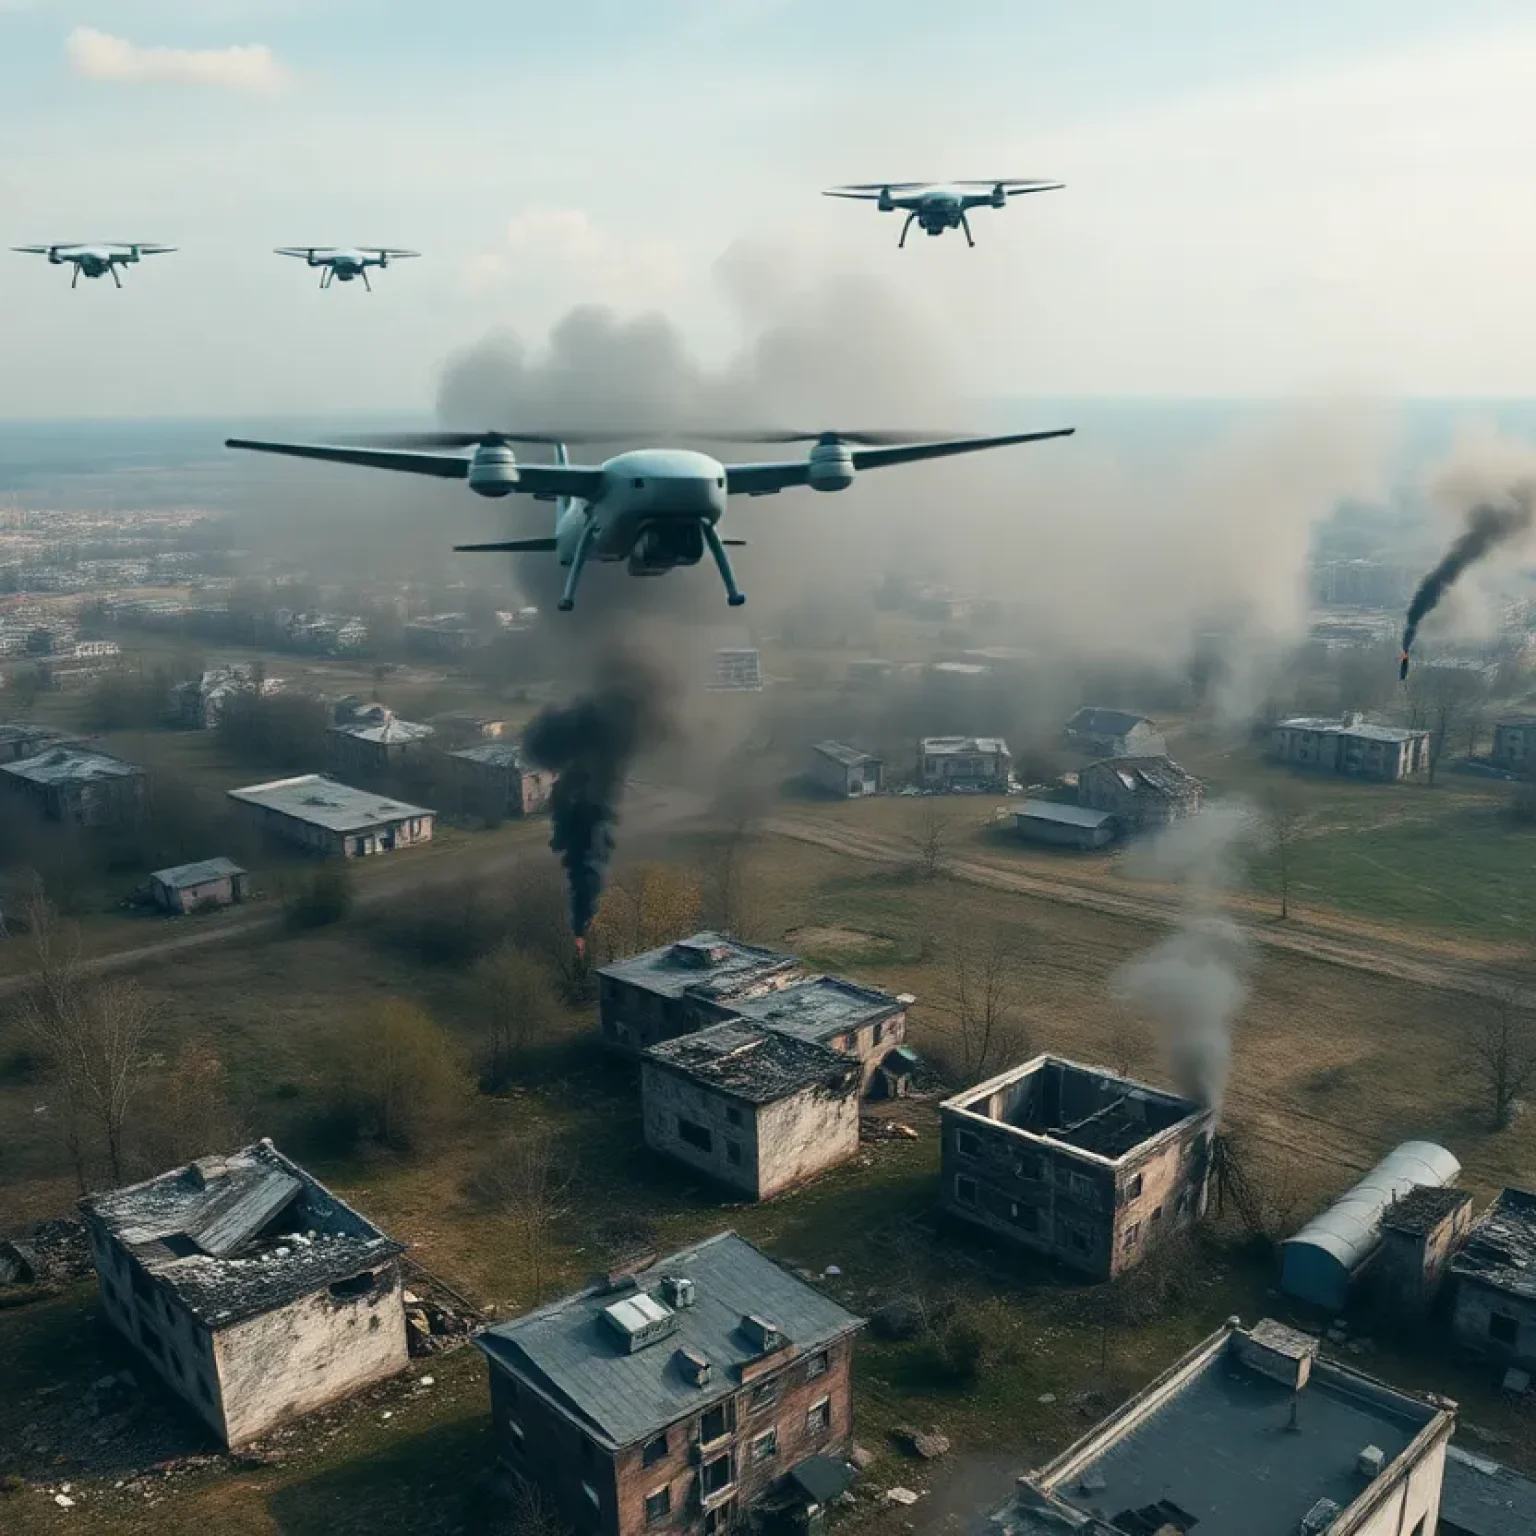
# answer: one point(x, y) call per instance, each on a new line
point(590, 744)
point(1488, 526)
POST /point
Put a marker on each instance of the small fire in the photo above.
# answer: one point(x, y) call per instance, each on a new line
point(581, 948)
point(1402, 667)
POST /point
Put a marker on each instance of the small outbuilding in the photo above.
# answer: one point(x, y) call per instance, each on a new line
point(1420, 1233)
point(1064, 826)
point(194, 887)
point(1319, 1263)
point(846, 771)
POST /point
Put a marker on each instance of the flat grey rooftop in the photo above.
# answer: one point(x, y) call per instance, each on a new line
point(241, 1234)
point(1221, 1450)
point(323, 802)
point(568, 1350)
point(179, 876)
point(1063, 815)
point(70, 765)
point(839, 752)
point(819, 1008)
point(710, 964)
point(760, 1066)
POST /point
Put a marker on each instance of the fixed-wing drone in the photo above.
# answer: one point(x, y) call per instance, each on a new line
point(345, 264)
point(654, 507)
point(939, 206)
point(94, 260)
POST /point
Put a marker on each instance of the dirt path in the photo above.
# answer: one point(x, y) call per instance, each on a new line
point(1419, 959)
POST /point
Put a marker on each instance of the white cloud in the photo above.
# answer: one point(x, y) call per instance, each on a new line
point(563, 250)
point(243, 67)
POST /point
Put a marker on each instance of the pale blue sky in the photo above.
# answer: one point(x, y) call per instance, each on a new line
point(1333, 195)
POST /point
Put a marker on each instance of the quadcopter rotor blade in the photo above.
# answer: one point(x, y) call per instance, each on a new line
point(429, 440)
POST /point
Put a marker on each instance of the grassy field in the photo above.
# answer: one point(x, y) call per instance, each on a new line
point(1331, 1068)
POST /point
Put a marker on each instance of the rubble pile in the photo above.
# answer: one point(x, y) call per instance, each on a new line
point(436, 1321)
point(51, 1253)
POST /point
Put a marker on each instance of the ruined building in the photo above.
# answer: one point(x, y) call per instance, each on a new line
point(1144, 793)
point(676, 1399)
point(1075, 1162)
point(496, 779)
point(1420, 1234)
point(756, 1110)
point(1252, 1433)
point(1495, 1275)
point(80, 787)
point(859, 1021)
point(684, 986)
point(249, 1287)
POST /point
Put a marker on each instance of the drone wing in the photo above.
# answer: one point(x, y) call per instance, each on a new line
point(543, 480)
point(768, 479)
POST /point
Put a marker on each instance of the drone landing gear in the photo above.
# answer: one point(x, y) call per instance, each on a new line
point(326, 274)
point(74, 282)
point(578, 561)
point(904, 228)
point(115, 278)
point(366, 283)
point(965, 224)
point(733, 596)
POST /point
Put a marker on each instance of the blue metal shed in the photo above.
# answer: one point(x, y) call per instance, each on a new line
point(1318, 1263)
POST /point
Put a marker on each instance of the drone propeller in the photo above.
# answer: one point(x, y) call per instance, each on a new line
point(387, 250)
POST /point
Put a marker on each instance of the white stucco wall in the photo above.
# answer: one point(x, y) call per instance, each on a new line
point(278, 1365)
point(800, 1136)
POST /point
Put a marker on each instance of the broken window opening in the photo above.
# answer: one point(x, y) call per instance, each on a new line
point(358, 1285)
point(655, 1450)
point(695, 1135)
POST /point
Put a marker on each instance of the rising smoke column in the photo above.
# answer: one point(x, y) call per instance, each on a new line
point(590, 744)
point(1489, 524)
point(1192, 984)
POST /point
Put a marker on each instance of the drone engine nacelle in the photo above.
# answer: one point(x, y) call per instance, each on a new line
point(999, 197)
point(831, 467)
point(887, 203)
point(54, 258)
point(493, 470)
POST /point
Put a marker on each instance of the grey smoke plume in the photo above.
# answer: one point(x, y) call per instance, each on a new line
point(1192, 984)
point(1488, 525)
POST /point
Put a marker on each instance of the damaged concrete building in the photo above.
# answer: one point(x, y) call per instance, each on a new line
point(756, 1110)
point(1495, 1275)
point(681, 987)
point(255, 1292)
point(1420, 1234)
point(1252, 1433)
point(495, 779)
point(675, 1399)
point(858, 1021)
point(1143, 793)
point(1074, 1162)
point(80, 787)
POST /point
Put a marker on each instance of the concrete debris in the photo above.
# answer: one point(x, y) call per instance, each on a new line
point(1046, 1397)
point(930, 1445)
point(437, 1318)
point(64, 1501)
point(873, 1128)
point(903, 1496)
point(862, 1457)
point(51, 1253)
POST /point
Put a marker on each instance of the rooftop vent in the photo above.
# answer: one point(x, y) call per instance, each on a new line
point(763, 1334)
point(1319, 1517)
point(694, 1366)
point(678, 1290)
point(639, 1320)
point(1370, 1461)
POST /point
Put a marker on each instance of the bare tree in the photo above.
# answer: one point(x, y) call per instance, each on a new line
point(516, 1002)
point(193, 1115)
point(988, 980)
point(529, 1181)
point(728, 887)
point(1444, 700)
point(1284, 820)
point(1502, 1050)
point(94, 1039)
point(931, 839)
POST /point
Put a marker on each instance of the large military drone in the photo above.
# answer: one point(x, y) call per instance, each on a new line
point(94, 260)
point(654, 507)
point(335, 262)
point(939, 206)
